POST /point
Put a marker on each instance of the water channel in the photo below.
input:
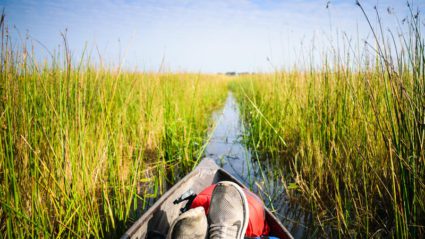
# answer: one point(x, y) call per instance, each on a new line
point(226, 147)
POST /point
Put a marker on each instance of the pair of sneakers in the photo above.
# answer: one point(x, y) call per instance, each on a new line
point(228, 216)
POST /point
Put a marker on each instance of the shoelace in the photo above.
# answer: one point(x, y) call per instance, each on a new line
point(222, 231)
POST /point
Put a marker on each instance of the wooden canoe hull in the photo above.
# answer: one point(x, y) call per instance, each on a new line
point(159, 217)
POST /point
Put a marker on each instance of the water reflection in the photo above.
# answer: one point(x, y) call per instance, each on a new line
point(225, 145)
point(227, 149)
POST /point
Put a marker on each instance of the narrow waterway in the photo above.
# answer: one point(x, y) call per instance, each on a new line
point(225, 145)
point(227, 149)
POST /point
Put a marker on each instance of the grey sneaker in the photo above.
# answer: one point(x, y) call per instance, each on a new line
point(189, 225)
point(228, 214)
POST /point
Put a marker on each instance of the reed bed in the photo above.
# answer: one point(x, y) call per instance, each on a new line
point(84, 148)
point(347, 140)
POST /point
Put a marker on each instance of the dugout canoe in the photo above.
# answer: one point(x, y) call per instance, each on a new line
point(158, 218)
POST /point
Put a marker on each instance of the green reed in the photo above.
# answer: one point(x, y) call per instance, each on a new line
point(350, 139)
point(83, 148)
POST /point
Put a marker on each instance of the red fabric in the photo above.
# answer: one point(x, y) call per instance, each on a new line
point(257, 225)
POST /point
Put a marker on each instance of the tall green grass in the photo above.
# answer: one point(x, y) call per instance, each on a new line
point(83, 148)
point(348, 138)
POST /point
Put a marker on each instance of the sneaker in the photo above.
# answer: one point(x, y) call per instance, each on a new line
point(228, 215)
point(189, 225)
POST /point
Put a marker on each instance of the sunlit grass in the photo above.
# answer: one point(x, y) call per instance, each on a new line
point(348, 141)
point(82, 147)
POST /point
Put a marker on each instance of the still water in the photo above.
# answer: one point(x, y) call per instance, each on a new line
point(226, 147)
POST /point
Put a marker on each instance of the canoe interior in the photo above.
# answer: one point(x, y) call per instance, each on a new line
point(158, 218)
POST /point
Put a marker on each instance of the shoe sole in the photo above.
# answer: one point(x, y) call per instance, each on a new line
point(244, 203)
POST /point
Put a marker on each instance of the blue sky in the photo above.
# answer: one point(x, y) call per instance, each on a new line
point(196, 36)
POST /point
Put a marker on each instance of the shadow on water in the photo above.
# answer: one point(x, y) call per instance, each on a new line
point(226, 147)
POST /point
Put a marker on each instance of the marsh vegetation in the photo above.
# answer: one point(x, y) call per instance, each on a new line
point(85, 148)
point(347, 140)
